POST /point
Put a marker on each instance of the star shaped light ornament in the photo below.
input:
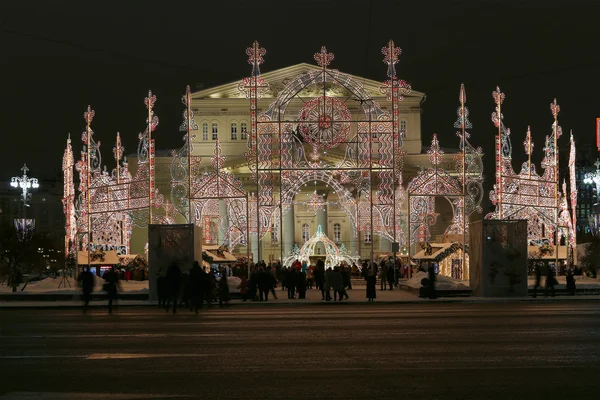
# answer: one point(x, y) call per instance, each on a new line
point(315, 202)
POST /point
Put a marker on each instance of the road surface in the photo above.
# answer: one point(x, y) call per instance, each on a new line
point(546, 349)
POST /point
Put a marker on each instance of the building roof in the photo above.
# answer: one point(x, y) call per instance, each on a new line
point(277, 79)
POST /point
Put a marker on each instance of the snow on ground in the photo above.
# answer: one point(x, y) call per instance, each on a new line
point(441, 282)
point(70, 285)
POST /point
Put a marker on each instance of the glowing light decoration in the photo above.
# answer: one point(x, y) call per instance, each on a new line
point(463, 189)
point(324, 122)
point(185, 165)
point(323, 58)
point(528, 195)
point(334, 255)
point(110, 204)
point(24, 225)
point(364, 180)
point(68, 200)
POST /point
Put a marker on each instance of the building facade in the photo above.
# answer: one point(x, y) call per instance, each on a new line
point(223, 114)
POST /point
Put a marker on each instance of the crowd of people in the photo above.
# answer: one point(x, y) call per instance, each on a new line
point(192, 289)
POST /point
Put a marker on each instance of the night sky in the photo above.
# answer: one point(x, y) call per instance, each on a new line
point(58, 57)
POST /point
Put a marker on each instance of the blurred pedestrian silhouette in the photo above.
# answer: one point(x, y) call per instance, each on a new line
point(538, 280)
point(223, 290)
point(197, 284)
point(86, 280)
point(550, 282)
point(571, 283)
point(173, 284)
point(111, 284)
point(370, 276)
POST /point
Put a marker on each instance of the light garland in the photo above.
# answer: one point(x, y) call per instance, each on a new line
point(527, 195)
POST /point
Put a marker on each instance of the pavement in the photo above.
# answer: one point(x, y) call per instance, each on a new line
point(527, 350)
point(313, 297)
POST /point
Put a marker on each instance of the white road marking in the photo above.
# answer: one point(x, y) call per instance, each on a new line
point(110, 356)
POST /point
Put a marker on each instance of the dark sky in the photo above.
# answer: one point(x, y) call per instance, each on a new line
point(59, 56)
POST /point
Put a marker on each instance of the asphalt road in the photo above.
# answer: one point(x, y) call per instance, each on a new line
point(545, 350)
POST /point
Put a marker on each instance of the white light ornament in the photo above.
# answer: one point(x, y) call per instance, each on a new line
point(25, 183)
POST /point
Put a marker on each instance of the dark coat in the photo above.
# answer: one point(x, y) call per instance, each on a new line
point(86, 279)
point(371, 283)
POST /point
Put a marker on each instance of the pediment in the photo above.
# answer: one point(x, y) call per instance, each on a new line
point(279, 78)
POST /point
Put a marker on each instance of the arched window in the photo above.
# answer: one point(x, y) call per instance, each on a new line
point(234, 131)
point(274, 233)
point(402, 131)
point(215, 131)
point(244, 128)
point(337, 233)
point(205, 131)
point(403, 125)
point(368, 235)
point(305, 233)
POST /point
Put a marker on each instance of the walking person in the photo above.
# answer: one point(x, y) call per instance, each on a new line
point(390, 276)
point(223, 290)
point(370, 277)
point(301, 284)
point(383, 276)
point(337, 284)
point(173, 281)
point(290, 282)
point(326, 295)
point(571, 283)
point(263, 281)
point(538, 280)
point(272, 282)
point(86, 281)
point(111, 284)
point(550, 282)
point(197, 284)
point(243, 286)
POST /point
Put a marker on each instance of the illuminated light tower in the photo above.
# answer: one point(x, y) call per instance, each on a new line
point(23, 225)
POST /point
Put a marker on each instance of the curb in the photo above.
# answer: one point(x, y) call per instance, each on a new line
point(77, 305)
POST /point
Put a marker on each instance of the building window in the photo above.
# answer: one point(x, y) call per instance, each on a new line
point(305, 233)
point(402, 126)
point(402, 131)
point(233, 131)
point(274, 234)
point(215, 131)
point(244, 127)
point(204, 131)
point(368, 235)
point(337, 233)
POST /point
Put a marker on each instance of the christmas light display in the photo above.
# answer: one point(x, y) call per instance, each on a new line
point(69, 200)
point(333, 255)
point(528, 195)
point(370, 145)
point(463, 190)
point(109, 205)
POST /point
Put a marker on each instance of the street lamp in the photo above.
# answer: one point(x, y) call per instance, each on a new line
point(25, 183)
point(23, 225)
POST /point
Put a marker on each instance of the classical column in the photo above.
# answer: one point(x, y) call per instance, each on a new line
point(322, 221)
point(350, 239)
point(385, 246)
point(288, 231)
point(224, 221)
point(254, 248)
